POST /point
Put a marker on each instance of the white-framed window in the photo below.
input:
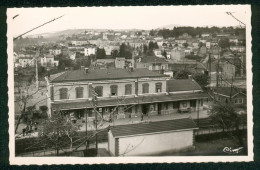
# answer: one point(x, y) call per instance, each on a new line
point(63, 93)
point(128, 89)
point(79, 92)
point(113, 89)
point(145, 88)
point(158, 87)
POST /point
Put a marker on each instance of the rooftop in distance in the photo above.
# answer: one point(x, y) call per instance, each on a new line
point(103, 74)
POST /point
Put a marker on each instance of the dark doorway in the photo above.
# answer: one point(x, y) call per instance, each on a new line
point(159, 108)
point(144, 109)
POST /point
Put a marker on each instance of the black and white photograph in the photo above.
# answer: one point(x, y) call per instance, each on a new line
point(138, 84)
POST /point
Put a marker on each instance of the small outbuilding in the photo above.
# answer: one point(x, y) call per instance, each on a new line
point(151, 138)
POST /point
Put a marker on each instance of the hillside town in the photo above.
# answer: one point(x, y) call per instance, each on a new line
point(115, 91)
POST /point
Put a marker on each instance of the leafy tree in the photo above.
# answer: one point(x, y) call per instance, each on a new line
point(101, 53)
point(65, 62)
point(153, 45)
point(58, 132)
point(114, 53)
point(164, 53)
point(183, 74)
point(227, 118)
point(200, 44)
point(202, 80)
point(145, 49)
point(138, 33)
point(125, 51)
point(224, 43)
point(185, 45)
point(150, 45)
point(152, 33)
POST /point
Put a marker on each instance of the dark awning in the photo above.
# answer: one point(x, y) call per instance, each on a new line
point(68, 105)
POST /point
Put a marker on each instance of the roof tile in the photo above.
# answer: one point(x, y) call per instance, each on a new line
point(153, 127)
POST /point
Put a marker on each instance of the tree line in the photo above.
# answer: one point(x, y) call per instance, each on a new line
point(194, 31)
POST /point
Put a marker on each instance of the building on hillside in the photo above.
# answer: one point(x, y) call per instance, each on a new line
point(158, 53)
point(238, 48)
point(228, 70)
point(120, 62)
point(215, 52)
point(124, 92)
point(195, 45)
point(72, 55)
point(90, 50)
point(152, 63)
point(26, 62)
point(180, 41)
point(110, 48)
point(48, 60)
point(55, 51)
point(233, 40)
point(205, 35)
point(202, 51)
point(185, 36)
point(177, 54)
point(188, 50)
point(203, 40)
point(208, 44)
point(135, 139)
point(79, 42)
point(230, 95)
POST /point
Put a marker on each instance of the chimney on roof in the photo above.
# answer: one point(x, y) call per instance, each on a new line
point(86, 70)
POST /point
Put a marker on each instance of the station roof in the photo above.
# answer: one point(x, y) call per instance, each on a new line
point(153, 127)
point(103, 74)
point(182, 85)
point(111, 102)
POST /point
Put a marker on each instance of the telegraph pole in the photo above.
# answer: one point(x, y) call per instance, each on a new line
point(198, 113)
point(95, 111)
point(218, 67)
point(86, 122)
point(209, 68)
point(94, 101)
point(231, 89)
point(36, 76)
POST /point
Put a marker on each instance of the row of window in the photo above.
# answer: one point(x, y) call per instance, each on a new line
point(98, 90)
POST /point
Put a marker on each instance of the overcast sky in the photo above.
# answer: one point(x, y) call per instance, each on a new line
point(123, 17)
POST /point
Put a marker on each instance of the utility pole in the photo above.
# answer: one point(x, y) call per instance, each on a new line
point(36, 63)
point(94, 101)
point(218, 67)
point(95, 111)
point(209, 62)
point(231, 89)
point(198, 113)
point(86, 122)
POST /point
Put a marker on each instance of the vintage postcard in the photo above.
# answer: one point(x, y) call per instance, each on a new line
point(144, 84)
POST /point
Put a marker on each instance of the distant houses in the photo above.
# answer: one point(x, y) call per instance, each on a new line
point(152, 63)
point(230, 95)
point(48, 60)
